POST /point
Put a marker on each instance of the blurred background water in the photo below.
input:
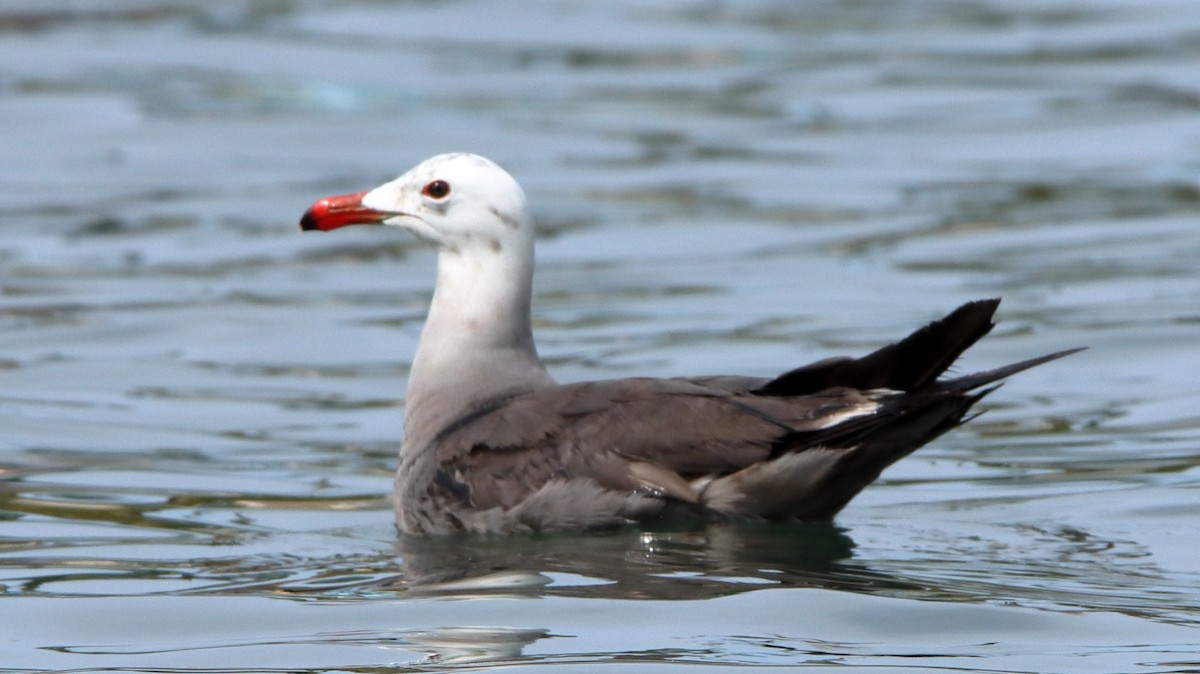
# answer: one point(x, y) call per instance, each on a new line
point(200, 407)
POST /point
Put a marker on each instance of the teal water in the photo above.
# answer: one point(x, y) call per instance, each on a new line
point(200, 407)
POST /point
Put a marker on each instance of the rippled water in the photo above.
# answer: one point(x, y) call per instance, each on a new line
point(200, 407)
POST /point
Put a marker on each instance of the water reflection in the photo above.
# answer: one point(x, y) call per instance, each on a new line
point(1020, 563)
point(691, 563)
point(466, 645)
point(1062, 567)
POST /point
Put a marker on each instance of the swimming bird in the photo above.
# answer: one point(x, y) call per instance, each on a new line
point(493, 444)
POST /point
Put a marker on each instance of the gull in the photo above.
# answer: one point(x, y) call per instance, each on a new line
point(493, 444)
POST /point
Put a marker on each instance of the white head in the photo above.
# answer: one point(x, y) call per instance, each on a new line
point(457, 201)
point(477, 340)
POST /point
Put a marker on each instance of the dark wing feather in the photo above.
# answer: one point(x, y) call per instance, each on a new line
point(629, 435)
point(910, 364)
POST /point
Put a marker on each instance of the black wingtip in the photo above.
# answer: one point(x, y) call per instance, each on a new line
point(971, 381)
point(912, 363)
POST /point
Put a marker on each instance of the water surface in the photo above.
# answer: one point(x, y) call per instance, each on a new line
point(200, 407)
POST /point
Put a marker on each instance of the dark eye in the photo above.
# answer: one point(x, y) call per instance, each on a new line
point(437, 189)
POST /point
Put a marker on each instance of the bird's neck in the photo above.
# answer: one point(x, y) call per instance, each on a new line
point(477, 342)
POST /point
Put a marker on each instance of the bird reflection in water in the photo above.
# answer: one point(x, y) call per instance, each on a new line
point(628, 563)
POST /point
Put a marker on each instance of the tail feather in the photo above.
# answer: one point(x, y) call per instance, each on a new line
point(910, 364)
point(852, 454)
